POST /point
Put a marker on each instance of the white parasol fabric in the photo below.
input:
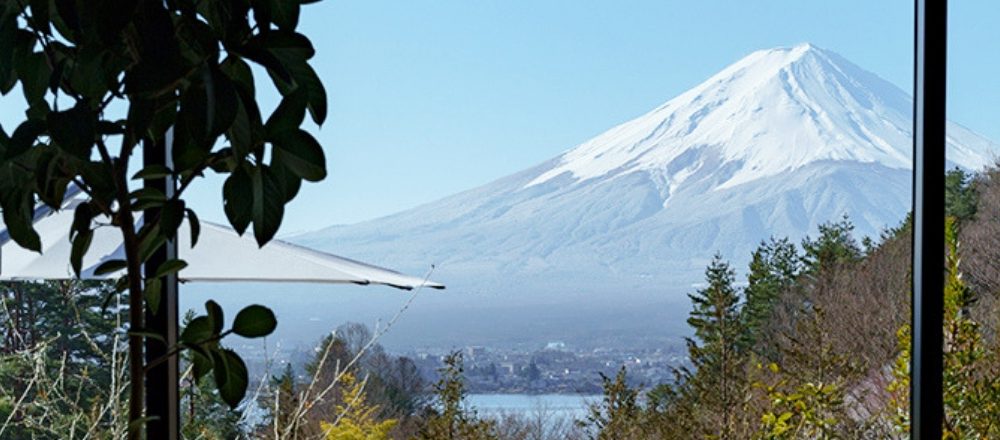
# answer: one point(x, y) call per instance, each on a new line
point(221, 255)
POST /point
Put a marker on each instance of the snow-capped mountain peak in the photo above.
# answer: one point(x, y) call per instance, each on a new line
point(773, 145)
point(772, 111)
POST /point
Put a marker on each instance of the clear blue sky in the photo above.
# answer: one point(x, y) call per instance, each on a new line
point(432, 97)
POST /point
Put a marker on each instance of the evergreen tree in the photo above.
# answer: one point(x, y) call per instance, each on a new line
point(281, 406)
point(834, 247)
point(58, 368)
point(450, 418)
point(717, 382)
point(618, 416)
point(960, 195)
point(970, 380)
point(774, 267)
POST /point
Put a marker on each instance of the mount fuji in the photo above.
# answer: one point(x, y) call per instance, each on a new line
point(775, 144)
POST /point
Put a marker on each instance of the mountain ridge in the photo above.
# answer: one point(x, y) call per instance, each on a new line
point(773, 145)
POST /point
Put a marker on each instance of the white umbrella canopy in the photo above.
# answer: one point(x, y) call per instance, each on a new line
point(221, 255)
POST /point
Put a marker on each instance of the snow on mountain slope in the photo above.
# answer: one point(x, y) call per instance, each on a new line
point(771, 112)
point(774, 144)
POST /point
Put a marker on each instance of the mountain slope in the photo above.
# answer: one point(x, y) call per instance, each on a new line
point(774, 144)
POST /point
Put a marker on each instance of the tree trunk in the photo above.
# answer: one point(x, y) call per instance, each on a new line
point(137, 388)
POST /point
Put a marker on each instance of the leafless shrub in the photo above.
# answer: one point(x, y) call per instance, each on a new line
point(53, 403)
point(540, 422)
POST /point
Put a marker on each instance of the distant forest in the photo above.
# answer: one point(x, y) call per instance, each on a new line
point(815, 346)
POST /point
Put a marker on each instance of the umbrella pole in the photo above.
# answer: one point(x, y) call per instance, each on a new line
point(162, 381)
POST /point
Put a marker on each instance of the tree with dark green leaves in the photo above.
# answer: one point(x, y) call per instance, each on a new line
point(618, 415)
point(450, 418)
point(774, 267)
point(57, 360)
point(960, 195)
point(104, 81)
point(835, 246)
point(717, 383)
point(77, 314)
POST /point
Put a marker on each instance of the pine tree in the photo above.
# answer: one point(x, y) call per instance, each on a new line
point(450, 418)
point(718, 382)
point(618, 416)
point(774, 267)
point(835, 246)
point(960, 197)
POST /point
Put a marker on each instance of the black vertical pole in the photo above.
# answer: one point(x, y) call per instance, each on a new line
point(162, 387)
point(930, 66)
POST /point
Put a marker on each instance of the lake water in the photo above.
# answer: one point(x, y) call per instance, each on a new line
point(570, 406)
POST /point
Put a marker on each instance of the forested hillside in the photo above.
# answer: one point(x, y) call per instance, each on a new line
point(814, 345)
point(817, 344)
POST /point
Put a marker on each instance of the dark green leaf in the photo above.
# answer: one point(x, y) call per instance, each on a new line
point(67, 11)
point(301, 154)
point(140, 116)
point(279, 51)
point(108, 127)
point(169, 267)
point(254, 321)
point(289, 114)
point(285, 13)
point(148, 194)
point(238, 199)
point(197, 331)
point(238, 71)
point(193, 119)
point(290, 182)
point(215, 316)
point(230, 376)
point(152, 172)
point(81, 243)
point(223, 103)
point(38, 110)
point(18, 223)
point(267, 60)
point(24, 137)
point(201, 363)
point(304, 76)
point(113, 17)
point(8, 35)
point(4, 142)
point(57, 75)
point(150, 243)
point(247, 132)
point(152, 295)
point(109, 266)
point(262, 13)
point(40, 15)
point(34, 73)
point(49, 177)
point(171, 217)
point(195, 226)
point(73, 130)
point(91, 73)
point(287, 45)
point(83, 215)
point(160, 64)
point(268, 204)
